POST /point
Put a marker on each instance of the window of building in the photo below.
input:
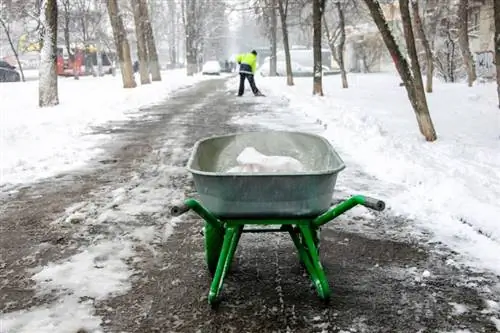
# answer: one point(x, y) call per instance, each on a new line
point(474, 20)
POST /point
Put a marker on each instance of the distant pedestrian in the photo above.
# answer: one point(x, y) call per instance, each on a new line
point(135, 66)
point(248, 64)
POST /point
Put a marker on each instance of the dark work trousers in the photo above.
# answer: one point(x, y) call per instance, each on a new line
point(251, 80)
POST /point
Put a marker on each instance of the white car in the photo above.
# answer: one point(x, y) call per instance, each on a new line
point(211, 67)
point(298, 70)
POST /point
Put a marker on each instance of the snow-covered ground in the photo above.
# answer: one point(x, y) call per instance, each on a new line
point(37, 143)
point(450, 188)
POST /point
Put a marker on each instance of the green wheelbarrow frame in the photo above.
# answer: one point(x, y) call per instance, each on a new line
point(222, 237)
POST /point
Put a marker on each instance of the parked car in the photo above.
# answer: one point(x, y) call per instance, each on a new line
point(211, 67)
point(8, 72)
point(298, 70)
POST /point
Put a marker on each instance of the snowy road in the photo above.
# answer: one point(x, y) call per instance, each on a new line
point(121, 264)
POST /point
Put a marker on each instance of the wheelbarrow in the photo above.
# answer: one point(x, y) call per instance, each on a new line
point(298, 203)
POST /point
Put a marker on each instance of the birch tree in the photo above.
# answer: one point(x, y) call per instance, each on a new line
point(122, 45)
point(412, 77)
point(47, 84)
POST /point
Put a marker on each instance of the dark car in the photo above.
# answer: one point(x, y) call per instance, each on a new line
point(8, 72)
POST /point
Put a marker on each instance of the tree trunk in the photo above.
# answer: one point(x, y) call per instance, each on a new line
point(172, 36)
point(341, 47)
point(283, 11)
point(463, 40)
point(496, 9)
point(142, 51)
point(47, 84)
point(274, 28)
point(331, 41)
point(67, 40)
point(12, 47)
point(423, 116)
point(154, 64)
point(189, 20)
point(318, 7)
point(423, 119)
point(99, 45)
point(122, 46)
point(429, 57)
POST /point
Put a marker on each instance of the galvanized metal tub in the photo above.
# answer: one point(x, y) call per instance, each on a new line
point(265, 195)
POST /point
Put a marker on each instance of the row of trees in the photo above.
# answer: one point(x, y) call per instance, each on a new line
point(199, 26)
point(147, 54)
point(433, 35)
point(417, 48)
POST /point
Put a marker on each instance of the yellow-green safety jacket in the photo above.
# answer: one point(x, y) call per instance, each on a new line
point(248, 63)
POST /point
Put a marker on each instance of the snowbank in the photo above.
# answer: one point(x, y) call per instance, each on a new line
point(37, 143)
point(450, 187)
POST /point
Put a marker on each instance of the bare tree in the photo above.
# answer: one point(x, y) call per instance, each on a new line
point(67, 20)
point(412, 79)
point(172, 36)
point(216, 31)
point(192, 21)
point(429, 56)
point(496, 9)
point(424, 119)
point(6, 30)
point(142, 51)
point(66, 6)
point(341, 46)
point(153, 64)
point(446, 51)
point(122, 45)
point(266, 13)
point(274, 38)
point(339, 34)
point(463, 40)
point(318, 8)
point(283, 11)
point(47, 84)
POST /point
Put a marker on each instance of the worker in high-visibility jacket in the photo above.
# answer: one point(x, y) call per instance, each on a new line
point(248, 64)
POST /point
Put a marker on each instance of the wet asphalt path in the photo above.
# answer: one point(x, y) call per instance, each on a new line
point(378, 285)
point(379, 282)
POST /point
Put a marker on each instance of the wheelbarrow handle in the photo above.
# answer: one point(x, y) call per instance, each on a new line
point(374, 204)
point(179, 208)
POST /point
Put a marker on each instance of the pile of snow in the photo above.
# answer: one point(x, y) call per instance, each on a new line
point(251, 160)
point(449, 187)
point(36, 143)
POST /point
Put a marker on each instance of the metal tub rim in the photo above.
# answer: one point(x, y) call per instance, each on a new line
point(194, 151)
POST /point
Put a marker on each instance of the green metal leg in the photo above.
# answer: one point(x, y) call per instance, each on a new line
point(214, 238)
point(231, 238)
point(308, 253)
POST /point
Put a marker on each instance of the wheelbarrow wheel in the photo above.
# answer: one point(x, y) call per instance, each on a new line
point(213, 244)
